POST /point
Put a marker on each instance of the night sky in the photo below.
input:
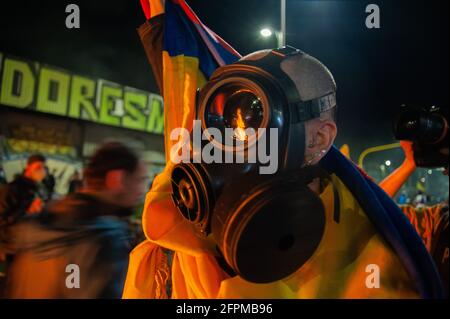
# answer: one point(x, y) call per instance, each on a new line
point(404, 62)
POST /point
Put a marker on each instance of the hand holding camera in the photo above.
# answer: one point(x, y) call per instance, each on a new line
point(427, 129)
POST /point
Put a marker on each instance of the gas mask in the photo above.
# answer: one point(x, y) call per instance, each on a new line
point(265, 225)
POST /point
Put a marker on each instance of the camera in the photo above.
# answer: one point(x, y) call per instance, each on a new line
point(427, 128)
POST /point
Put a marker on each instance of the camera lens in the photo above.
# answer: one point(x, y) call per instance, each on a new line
point(420, 126)
point(407, 126)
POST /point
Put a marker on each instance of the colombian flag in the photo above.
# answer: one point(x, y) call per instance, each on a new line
point(190, 54)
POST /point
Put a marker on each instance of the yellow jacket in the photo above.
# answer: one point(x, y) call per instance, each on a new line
point(341, 267)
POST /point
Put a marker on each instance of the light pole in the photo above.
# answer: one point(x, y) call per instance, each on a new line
point(281, 33)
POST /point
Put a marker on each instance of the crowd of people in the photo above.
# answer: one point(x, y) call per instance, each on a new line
point(91, 227)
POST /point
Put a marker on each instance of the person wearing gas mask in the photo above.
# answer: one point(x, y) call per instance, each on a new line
point(316, 228)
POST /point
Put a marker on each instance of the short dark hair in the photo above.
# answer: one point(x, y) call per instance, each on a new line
point(35, 158)
point(110, 156)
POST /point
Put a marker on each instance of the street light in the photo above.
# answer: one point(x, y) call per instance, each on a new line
point(388, 163)
point(267, 32)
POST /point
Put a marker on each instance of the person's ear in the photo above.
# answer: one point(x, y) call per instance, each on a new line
point(321, 135)
point(114, 180)
point(326, 134)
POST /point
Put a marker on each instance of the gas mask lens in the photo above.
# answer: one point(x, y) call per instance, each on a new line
point(238, 108)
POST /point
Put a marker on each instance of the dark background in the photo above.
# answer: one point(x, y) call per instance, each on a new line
point(404, 62)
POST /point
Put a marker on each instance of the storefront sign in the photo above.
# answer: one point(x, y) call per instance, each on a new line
point(42, 88)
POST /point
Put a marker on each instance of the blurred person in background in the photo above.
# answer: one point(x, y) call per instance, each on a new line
point(2, 176)
point(421, 199)
point(75, 183)
point(87, 230)
point(21, 197)
point(18, 200)
point(403, 199)
point(49, 184)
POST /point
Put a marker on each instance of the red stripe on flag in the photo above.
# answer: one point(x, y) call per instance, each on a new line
point(145, 4)
point(189, 12)
point(195, 19)
point(223, 43)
